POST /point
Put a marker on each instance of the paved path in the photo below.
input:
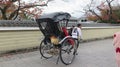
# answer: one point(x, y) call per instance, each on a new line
point(93, 54)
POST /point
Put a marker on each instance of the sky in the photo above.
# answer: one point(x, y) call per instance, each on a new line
point(74, 7)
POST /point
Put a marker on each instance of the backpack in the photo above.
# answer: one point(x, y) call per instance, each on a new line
point(70, 31)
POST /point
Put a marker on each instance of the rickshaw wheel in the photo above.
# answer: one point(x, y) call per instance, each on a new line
point(45, 50)
point(68, 51)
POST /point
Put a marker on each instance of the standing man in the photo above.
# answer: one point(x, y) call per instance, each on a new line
point(77, 33)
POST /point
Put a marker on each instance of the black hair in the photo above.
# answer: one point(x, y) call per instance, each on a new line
point(73, 26)
point(78, 25)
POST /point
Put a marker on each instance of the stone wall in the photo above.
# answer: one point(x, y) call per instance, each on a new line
point(18, 39)
point(17, 23)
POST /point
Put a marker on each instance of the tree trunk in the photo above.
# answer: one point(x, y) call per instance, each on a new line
point(110, 9)
point(3, 11)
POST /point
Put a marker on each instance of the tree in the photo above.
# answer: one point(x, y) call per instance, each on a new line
point(11, 9)
point(92, 17)
point(103, 12)
point(110, 8)
point(91, 8)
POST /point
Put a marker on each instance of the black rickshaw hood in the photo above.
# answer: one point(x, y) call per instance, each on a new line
point(54, 17)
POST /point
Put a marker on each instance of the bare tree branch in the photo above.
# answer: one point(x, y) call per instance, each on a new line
point(4, 12)
point(30, 6)
point(17, 10)
point(93, 12)
point(91, 3)
point(110, 8)
point(111, 1)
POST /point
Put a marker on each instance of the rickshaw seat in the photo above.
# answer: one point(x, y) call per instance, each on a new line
point(67, 34)
point(65, 31)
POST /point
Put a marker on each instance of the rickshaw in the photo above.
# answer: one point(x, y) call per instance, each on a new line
point(56, 41)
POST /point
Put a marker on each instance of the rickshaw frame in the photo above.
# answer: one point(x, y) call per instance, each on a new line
point(52, 22)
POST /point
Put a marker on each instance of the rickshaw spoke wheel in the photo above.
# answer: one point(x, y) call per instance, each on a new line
point(45, 50)
point(67, 51)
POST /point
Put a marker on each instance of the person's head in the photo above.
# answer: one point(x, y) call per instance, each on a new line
point(79, 25)
point(73, 26)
